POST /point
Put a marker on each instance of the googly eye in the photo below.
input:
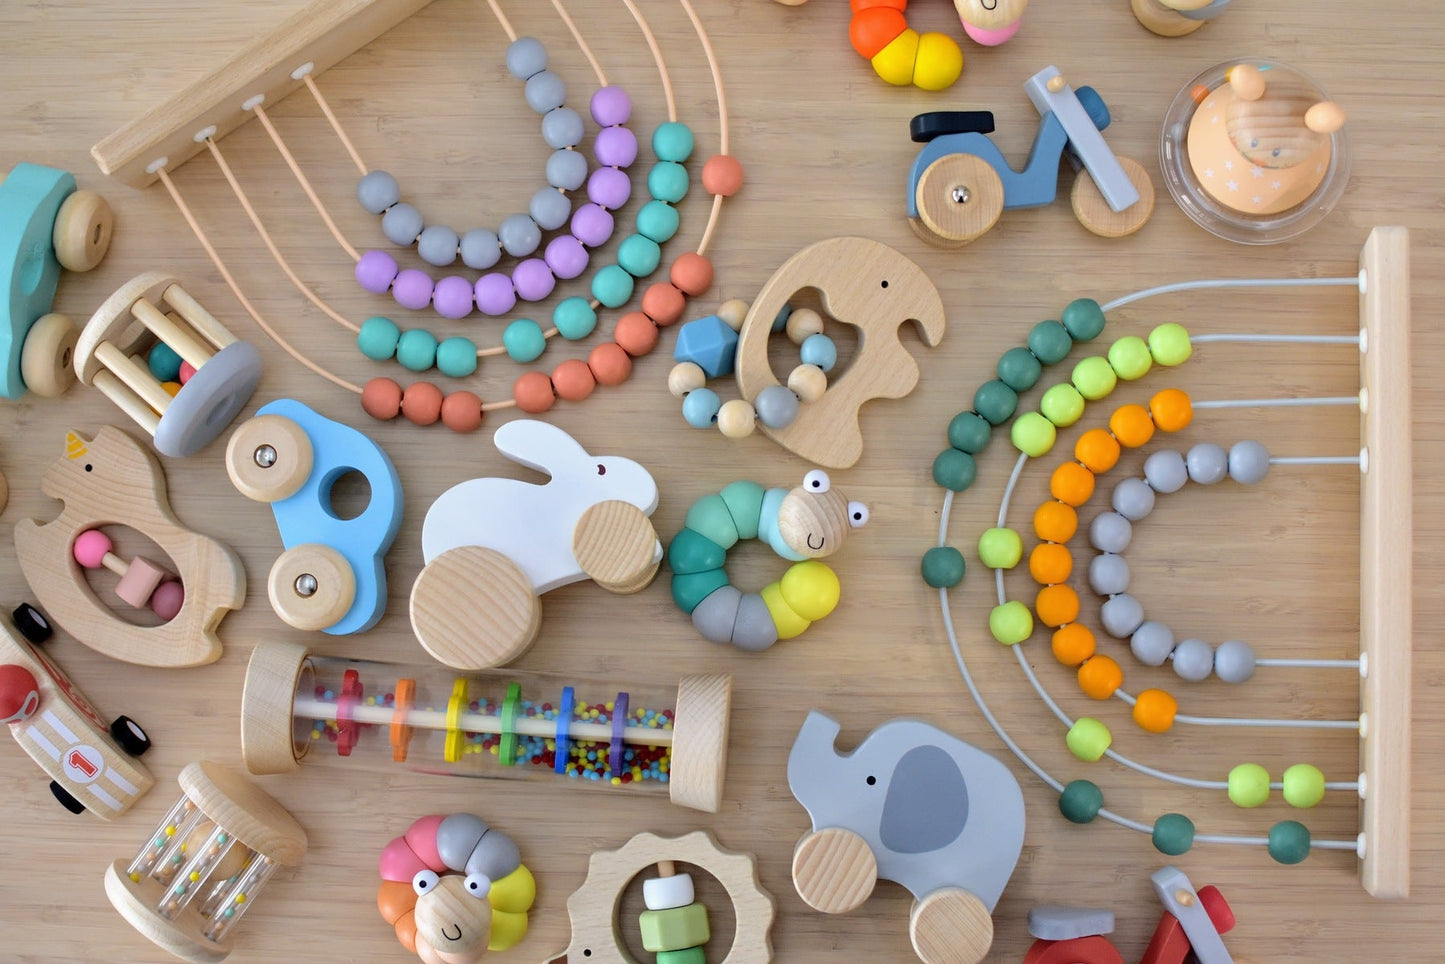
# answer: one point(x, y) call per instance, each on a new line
point(424, 882)
point(857, 515)
point(817, 481)
point(478, 885)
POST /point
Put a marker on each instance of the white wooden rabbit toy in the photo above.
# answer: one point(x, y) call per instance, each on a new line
point(492, 546)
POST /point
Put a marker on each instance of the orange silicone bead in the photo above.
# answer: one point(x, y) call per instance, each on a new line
point(573, 380)
point(1073, 644)
point(1172, 410)
point(1154, 710)
point(722, 175)
point(875, 28)
point(394, 898)
point(691, 273)
point(1055, 522)
point(1057, 605)
point(857, 5)
point(663, 303)
point(406, 930)
point(381, 399)
point(462, 412)
point(1100, 676)
point(1097, 450)
point(636, 333)
point(609, 363)
point(533, 393)
point(1131, 425)
point(1072, 484)
point(1050, 563)
point(421, 403)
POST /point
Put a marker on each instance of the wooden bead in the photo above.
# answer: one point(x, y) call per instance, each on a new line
point(736, 419)
point(82, 231)
point(733, 312)
point(802, 323)
point(311, 586)
point(421, 403)
point(692, 274)
point(610, 364)
point(46, 358)
point(808, 382)
point(722, 175)
point(663, 303)
point(381, 399)
point(573, 380)
point(533, 393)
point(685, 377)
point(462, 412)
point(636, 333)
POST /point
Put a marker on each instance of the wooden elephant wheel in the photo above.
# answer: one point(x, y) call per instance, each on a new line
point(596, 936)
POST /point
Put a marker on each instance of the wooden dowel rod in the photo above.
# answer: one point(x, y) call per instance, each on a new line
point(115, 390)
point(187, 345)
point(135, 376)
point(199, 318)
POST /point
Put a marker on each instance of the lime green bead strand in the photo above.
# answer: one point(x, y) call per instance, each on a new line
point(1000, 548)
point(1248, 786)
point(1088, 738)
point(1130, 358)
point(1062, 405)
point(1033, 434)
point(1169, 345)
point(1094, 377)
point(1011, 623)
point(1304, 786)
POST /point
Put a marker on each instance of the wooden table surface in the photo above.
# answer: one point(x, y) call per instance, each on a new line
point(825, 147)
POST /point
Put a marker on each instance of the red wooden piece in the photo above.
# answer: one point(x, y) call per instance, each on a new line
point(1170, 946)
point(1095, 949)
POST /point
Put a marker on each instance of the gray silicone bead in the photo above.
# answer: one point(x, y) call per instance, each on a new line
point(1133, 499)
point(776, 406)
point(1108, 574)
point(480, 248)
point(519, 235)
point(377, 191)
point(1248, 462)
point(1165, 471)
point(1193, 660)
point(496, 856)
point(402, 224)
point(1121, 615)
point(1208, 463)
point(1152, 643)
point(550, 208)
point(1234, 661)
point(562, 128)
point(545, 91)
point(437, 245)
point(1110, 532)
point(457, 836)
point(525, 57)
point(1051, 922)
point(566, 170)
point(715, 616)
point(754, 631)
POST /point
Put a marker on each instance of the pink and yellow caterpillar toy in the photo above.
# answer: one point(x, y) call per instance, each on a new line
point(902, 56)
point(454, 889)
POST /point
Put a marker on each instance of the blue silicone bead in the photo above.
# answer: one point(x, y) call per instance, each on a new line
point(700, 407)
point(612, 286)
point(417, 349)
point(457, 357)
point(658, 220)
point(165, 362)
point(667, 181)
point(575, 318)
point(819, 350)
point(638, 255)
point(672, 141)
point(524, 340)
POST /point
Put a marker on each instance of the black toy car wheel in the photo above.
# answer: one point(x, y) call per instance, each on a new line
point(32, 623)
point(66, 800)
point(130, 736)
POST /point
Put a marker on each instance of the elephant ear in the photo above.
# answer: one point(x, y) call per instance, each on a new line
point(927, 803)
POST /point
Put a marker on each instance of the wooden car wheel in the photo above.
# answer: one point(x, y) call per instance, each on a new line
point(834, 870)
point(474, 608)
point(311, 586)
point(616, 545)
point(269, 458)
point(47, 358)
point(82, 231)
point(959, 198)
point(1094, 212)
point(950, 926)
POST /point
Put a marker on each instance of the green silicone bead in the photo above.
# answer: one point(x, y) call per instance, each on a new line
point(1033, 434)
point(1084, 319)
point(1130, 358)
point(1062, 405)
point(689, 589)
point(691, 551)
point(1289, 841)
point(688, 955)
point(745, 503)
point(524, 340)
point(1170, 345)
point(658, 220)
point(954, 470)
point(417, 350)
point(1000, 548)
point(457, 357)
point(1094, 377)
point(1019, 369)
point(969, 432)
point(638, 255)
point(672, 141)
point(574, 317)
point(377, 338)
point(612, 286)
point(710, 518)
point(1011, 623)
point(943, 567)
point(165, 363)
point(667, 181)
point(1248, 785)
point(1173, 834)
point(1304, 786)
point(1088, 738)
point(674, 929)
point(995, 401)
point(1050, 342)
point(1081, 801)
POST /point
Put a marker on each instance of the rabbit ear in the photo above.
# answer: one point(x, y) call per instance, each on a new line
point(538, 445)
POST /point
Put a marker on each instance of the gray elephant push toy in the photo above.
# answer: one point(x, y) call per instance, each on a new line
point(914, 805)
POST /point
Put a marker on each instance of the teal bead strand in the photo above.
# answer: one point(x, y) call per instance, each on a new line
point(416, 350)
point(378, 338)
point(524, 341)
point(457, 357)
point(574, 318)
